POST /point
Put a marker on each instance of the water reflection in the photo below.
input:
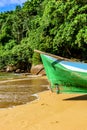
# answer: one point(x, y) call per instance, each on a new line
point(21, 91)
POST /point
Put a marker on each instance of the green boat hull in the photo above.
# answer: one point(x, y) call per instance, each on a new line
point(69, 81)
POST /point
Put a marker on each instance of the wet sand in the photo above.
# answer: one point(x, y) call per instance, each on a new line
point(21, 91)
point(49, 112)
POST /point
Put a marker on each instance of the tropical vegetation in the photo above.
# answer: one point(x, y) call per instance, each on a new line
point(54, 26)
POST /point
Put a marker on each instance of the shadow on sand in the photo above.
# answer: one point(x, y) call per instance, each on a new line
point(81, 97)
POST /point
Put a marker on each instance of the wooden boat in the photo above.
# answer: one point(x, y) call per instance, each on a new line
point(66, 75)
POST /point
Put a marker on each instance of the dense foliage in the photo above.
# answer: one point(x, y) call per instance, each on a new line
point(54, 26)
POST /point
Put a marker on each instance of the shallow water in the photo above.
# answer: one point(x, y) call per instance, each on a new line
point(17, 90)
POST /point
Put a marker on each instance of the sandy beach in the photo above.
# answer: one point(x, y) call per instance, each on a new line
point(50, 112)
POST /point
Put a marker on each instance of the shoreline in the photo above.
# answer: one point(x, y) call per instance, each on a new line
point(50, 111)
point(20, 91)
point(21, 78)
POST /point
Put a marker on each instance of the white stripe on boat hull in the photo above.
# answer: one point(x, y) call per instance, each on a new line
point(73, 68)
